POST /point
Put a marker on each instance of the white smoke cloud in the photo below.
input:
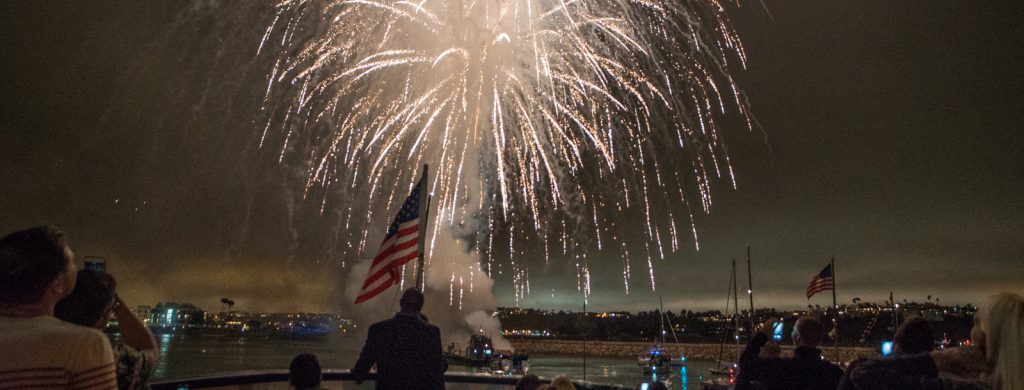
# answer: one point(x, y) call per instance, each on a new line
point(459, 296)
point(458, 292)
point(459, 299)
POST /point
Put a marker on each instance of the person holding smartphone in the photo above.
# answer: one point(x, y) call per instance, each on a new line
point(37, 269)
point(805, 370)
point(91, 304)
point(993, 361)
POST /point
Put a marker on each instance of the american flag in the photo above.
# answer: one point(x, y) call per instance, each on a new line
point(823, 281)
point(399, 247)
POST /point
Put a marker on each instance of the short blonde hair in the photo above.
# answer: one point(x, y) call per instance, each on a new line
point(562, 382)
point(1002, 321)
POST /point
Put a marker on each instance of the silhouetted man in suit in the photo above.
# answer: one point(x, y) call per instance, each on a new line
point(405, 348)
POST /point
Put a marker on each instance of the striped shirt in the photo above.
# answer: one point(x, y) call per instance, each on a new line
point(46, 353)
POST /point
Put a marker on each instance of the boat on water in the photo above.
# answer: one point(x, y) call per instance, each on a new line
point(510, 363)
point(303, 331)
point(724, 369)
point(298, 330)
point(479, 352)
point(658, 359)
point(724, 376)
point(719, 382)
point(721, 378)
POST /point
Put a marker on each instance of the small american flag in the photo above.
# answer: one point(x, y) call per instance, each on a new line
point(399, 247)
point(823, 281)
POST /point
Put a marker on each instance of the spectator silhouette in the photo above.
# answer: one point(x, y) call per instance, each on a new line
point(37, 269)
point(405, 348)
point(657, 385)
point(90, 304)
point(993, 362)
point(304, 372)
point(914, 336)
point(805, 370)
point(562, 382)
point(528, 382)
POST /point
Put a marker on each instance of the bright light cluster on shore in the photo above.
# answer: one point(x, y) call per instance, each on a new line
point(525, 333)
point(547, 122)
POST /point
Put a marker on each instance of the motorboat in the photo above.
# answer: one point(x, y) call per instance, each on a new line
point(658, 359)
point(479, 352)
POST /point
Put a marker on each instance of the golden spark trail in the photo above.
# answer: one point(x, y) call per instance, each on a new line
point(549, 119)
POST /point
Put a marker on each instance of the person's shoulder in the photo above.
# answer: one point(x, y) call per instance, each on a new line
point(432, 327)
point(82, 332)
point(382, 324)
point(417, 322)
point(58, 343)
point(63, 331)
point(90, 340)
point(831, 369)
point(835, 367)
point(87, 341)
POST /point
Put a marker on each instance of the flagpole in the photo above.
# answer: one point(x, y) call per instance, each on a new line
point(834, 283)
point(425, 216)
point(835, 309)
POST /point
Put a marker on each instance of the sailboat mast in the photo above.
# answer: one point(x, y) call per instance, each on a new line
point(425, 215)
point(667, 320)
point(585, 339)
point(728, 294)
point(750, 293)
point(661, 312)
point(735, 304)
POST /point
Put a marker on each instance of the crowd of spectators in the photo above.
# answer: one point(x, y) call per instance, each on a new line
point(52, 317)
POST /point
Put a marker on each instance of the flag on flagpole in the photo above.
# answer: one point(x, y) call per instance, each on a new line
point(400, 246)
point(823, 281)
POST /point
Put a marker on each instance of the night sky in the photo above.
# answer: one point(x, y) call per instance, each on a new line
point(891, 140)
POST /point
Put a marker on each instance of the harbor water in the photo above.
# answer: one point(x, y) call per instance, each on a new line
point(191, 356)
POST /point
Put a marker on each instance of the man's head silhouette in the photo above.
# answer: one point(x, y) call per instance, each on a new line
point(808, 332)
point(412, 301)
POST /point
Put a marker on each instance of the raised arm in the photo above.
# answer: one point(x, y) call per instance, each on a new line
point(133, 331)
point(750, 362)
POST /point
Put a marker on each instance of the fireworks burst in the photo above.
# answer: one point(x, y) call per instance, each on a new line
point(550, 120)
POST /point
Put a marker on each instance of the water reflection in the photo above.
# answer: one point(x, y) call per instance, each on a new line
point(164, 343)
point(184, 356)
